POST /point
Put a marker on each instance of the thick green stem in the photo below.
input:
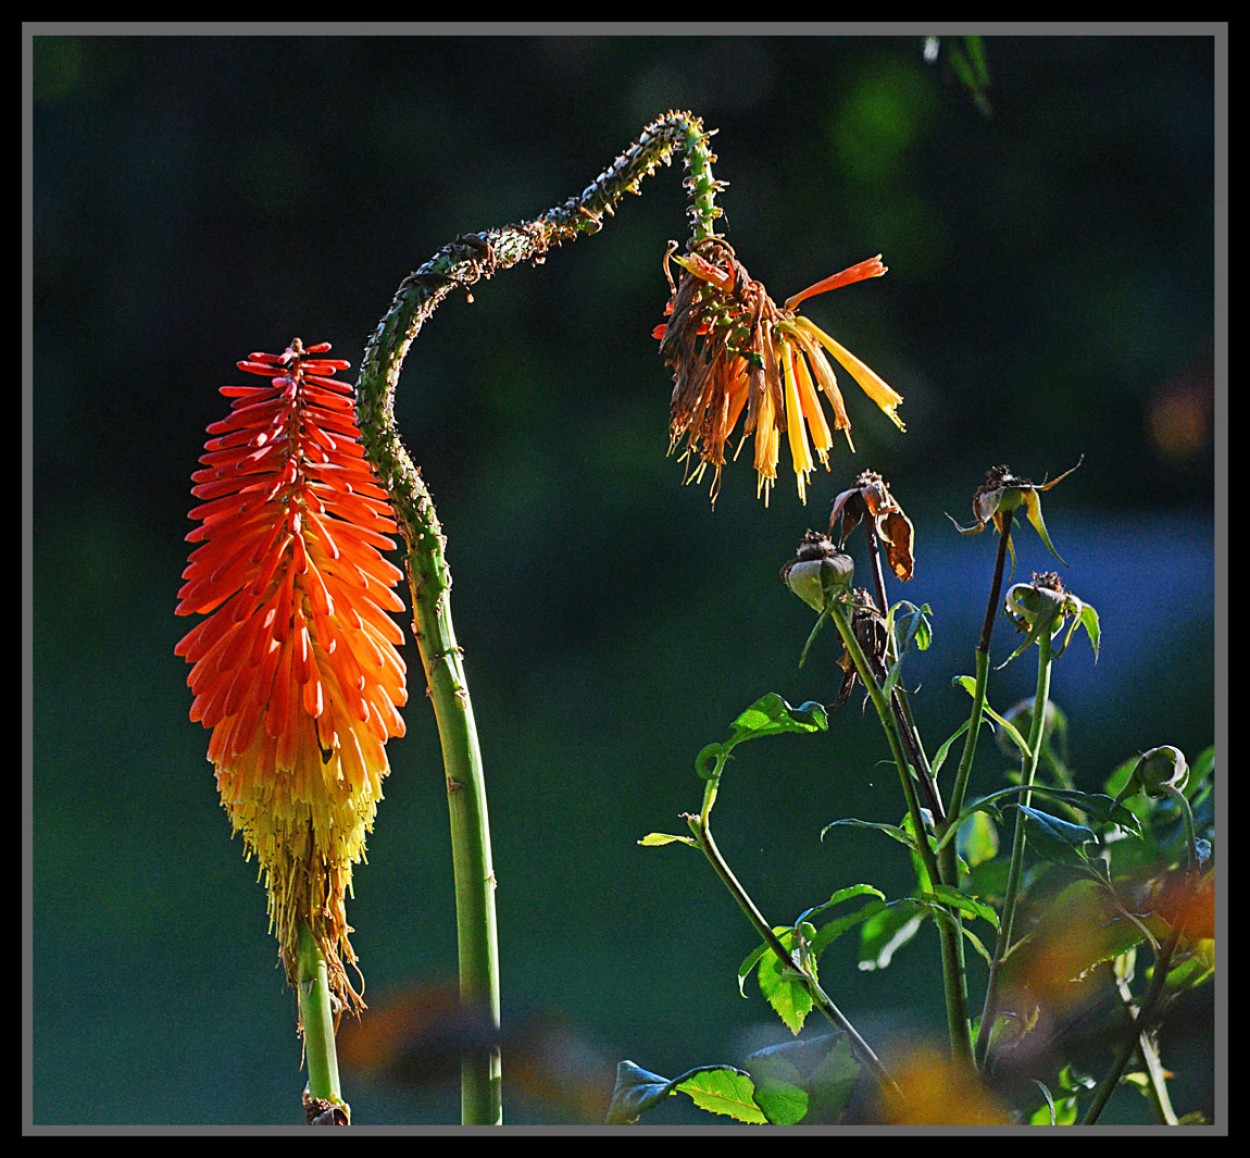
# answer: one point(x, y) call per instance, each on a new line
point(1015, 872)
point(458, 266)
point(316, 1015)
point(950, 925)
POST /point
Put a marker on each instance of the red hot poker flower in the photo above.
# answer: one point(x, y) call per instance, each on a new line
point(732, 350)
point(295, 669)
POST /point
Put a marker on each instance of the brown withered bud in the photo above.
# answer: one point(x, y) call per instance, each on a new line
point(870, 498)
point(869, 627)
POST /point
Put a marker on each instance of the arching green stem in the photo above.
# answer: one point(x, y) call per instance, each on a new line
point(457, 266)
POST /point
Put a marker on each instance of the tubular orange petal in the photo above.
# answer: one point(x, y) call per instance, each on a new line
point(796, 428)
point(873, 267)
point(872, 384)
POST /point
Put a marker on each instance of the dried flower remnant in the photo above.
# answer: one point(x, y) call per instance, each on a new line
point(296, 668)
point(870, 498)
point(1001, 493)
point(870, 630)
point(731, 348)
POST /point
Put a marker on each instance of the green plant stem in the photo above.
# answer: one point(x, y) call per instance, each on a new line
point(1015, 873)
point(899, 702)
point(316, 1017)
point(701, 827)
point(992, 609)
point(458, 266)
point(1138, 1041)
point(950, 929)
point(1179, 799)
point(1156, 1085)
point(1140, 1024)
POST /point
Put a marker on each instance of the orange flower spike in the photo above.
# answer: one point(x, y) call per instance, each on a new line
point(295, 669)
point(720, 316)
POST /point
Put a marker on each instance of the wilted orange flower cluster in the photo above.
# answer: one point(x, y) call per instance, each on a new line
point(295, 669)
point(731, 348)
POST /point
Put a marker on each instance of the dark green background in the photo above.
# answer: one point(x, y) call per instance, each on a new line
point(1051, 294)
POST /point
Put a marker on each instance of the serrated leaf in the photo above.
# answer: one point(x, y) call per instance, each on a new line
point(657, 839)
point(720, 1089)
point(912, 625)
point(1082, 927)
point(770, 715)
point(779, 1092)
point(1098, 805)
point(784, 987)
point(725, 1091)
point(832, 1082)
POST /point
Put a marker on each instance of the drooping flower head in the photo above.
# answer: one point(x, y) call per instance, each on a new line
point(732, 348)
point(295, 669)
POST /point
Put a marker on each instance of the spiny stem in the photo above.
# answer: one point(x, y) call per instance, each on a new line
point(458, 266)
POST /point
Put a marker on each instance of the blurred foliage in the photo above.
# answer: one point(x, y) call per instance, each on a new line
point(196, 198)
